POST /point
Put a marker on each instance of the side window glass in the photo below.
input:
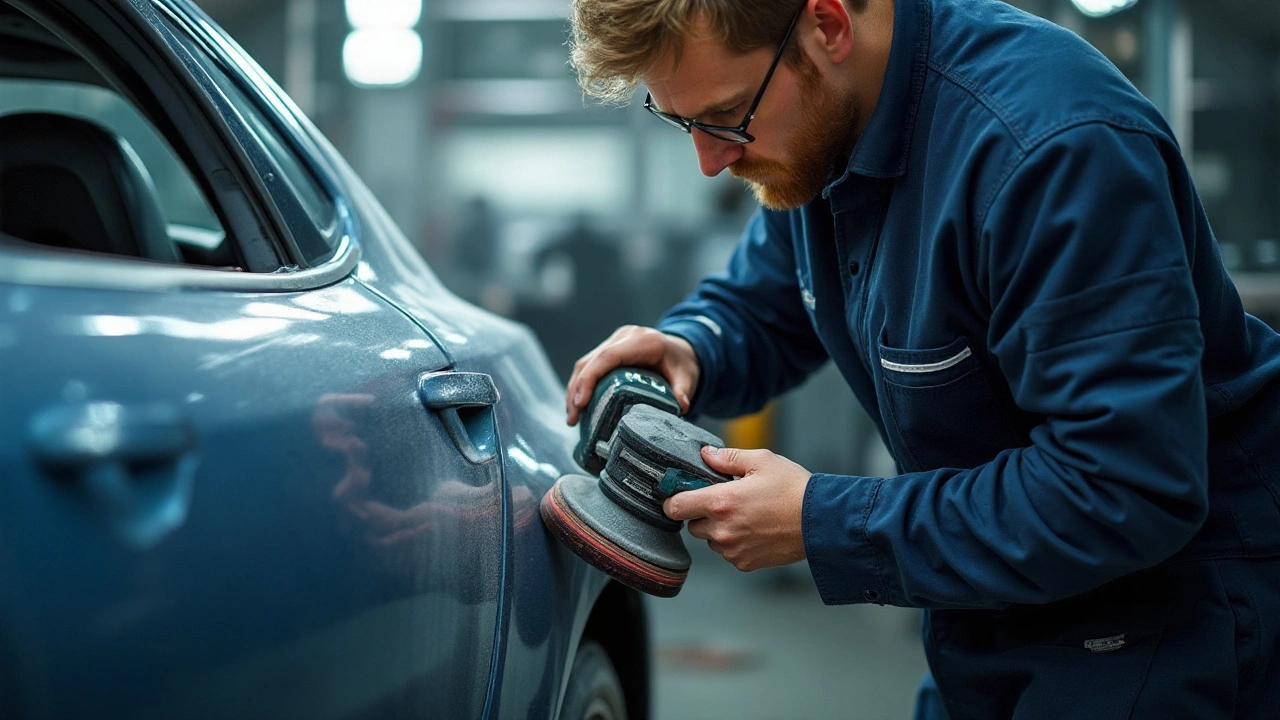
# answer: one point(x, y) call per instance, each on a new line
point(315, 201)
point(83, 170)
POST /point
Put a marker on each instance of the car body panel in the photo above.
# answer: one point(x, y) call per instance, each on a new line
point(328, 518)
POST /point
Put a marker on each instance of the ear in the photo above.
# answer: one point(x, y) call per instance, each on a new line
point(830, 27)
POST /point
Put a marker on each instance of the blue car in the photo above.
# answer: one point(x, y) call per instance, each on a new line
point(255, 461)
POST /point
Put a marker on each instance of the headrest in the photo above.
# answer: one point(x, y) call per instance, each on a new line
point(69, 183)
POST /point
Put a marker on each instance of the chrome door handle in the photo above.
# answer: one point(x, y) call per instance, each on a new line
point(137, 462)
point(464, 401)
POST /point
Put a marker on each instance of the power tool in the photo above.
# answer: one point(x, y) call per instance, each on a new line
point(641, 452)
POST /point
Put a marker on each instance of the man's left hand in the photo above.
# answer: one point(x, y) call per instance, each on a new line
point(754, 522)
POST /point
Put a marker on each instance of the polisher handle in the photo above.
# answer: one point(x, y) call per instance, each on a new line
point(676, 480)
point(612, 397)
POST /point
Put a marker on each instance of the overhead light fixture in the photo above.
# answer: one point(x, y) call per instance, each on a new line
point(383, 48)
point(1102, 8)
point(382, 58)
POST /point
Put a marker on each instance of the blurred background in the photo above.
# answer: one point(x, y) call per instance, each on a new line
point(465, 120)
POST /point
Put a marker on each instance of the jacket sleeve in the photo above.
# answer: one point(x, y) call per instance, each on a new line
point(1084, 257)
point(748, 324)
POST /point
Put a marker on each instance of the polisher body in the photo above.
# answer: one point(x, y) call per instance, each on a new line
point(642, 452)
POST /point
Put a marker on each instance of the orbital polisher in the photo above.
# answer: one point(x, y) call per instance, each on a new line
point(633, 439)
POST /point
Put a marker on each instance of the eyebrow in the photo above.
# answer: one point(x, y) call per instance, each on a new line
point(718, 107)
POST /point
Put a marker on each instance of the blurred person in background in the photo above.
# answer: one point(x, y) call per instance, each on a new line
point(475, 247)
point(577, 268)
point(995, 238)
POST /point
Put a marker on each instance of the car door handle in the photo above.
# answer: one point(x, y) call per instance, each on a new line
point(136, 462)
point(464, 401)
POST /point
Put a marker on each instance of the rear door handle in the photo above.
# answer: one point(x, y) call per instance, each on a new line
point(464, 401)
point(136, 462)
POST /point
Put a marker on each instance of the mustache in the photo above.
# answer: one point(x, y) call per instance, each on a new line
point(745, 169)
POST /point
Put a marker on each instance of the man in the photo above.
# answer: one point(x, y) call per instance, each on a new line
point(996, 240)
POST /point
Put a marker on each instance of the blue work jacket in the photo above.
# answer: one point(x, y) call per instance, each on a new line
point(1015, 276)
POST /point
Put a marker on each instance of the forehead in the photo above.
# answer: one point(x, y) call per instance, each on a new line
point(705, 73)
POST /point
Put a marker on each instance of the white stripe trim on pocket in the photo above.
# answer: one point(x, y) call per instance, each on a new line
point(928, 367)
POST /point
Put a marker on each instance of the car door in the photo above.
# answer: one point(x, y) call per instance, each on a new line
point(226, 492)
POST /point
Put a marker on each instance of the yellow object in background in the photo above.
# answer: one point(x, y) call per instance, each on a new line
point(750, 432)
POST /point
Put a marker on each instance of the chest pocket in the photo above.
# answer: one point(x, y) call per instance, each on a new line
point(941, 409)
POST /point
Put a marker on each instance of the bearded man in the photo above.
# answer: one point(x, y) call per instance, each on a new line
point(995, 238)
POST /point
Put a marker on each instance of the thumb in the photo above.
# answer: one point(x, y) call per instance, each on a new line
point(730, 461)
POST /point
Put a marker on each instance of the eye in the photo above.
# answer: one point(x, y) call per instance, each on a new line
point(732, 112)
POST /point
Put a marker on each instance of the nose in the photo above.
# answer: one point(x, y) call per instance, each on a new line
point(714, 154)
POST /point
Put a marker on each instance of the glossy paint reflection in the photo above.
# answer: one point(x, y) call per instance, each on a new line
point(447, 508)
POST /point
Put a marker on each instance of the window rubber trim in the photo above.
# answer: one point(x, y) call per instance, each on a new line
point(289, 122)
point(52, 267)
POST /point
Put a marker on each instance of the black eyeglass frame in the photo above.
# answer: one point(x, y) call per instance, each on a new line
point(737, 133)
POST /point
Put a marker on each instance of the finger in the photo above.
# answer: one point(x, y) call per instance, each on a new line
point(700, 528)
point(571, 388)
point(732, 461)
point(581, 391)
point(628, 345)
point(690, 504)
point(678, 363)
point(716, 547)
point(682, 388)
point(581, 386)
point(578, 390)
point(595, 365)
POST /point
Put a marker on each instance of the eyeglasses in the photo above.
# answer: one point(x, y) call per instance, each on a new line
point(739, 132)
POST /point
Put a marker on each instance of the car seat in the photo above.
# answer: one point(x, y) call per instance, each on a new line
point(69, 183)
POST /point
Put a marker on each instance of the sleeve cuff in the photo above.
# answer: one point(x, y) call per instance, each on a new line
point(846, 566)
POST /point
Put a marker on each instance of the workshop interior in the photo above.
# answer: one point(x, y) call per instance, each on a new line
point(530, 200)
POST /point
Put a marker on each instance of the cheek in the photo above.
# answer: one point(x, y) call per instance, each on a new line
point(776, 138)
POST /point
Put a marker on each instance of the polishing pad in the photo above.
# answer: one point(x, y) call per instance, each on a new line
point(630, 550)
point(617, 523)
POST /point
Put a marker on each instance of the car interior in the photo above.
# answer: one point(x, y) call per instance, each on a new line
point(66, 182)
point(70, 178)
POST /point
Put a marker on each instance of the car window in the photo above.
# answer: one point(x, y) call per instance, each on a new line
point(184, 206)
point(82, 169)
point(317, 204)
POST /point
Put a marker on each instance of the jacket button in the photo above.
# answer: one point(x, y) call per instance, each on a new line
point(871, 596)
point(853, 267)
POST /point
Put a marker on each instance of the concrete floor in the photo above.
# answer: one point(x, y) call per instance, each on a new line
point(762, 646)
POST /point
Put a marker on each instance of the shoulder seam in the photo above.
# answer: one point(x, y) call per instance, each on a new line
point(1060, 128)
point(988, 102)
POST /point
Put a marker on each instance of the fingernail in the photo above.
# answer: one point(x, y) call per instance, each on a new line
point(711, 449)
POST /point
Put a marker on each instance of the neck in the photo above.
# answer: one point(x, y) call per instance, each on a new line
point(873, 29)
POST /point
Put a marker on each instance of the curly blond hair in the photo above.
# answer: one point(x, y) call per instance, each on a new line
point(615, 42)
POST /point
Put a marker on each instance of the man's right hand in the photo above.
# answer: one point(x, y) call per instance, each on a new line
point(634, 346)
